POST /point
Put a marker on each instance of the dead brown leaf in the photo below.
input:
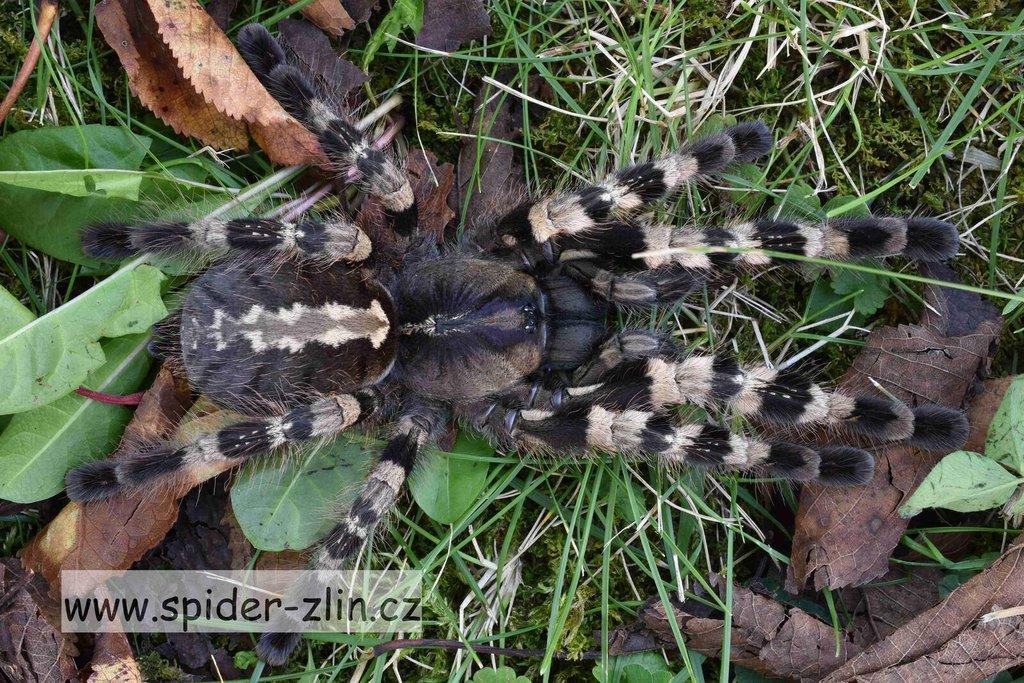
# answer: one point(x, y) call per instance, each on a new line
point(447, 24)
point(155, 78)
point(844, 536)
point(113, 661)
point(114, 533)
point(766, 636)
point(360, 10)
point(312, 50)
point(31, 648)
point(947, 642)
point(983, 408)
point(881, 607)
point(488, 173)
point(330, 15)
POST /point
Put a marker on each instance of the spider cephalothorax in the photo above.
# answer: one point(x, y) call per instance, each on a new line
point(507, 331)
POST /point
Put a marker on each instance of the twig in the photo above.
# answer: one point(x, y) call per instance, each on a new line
point(111, 399)
point(47, 13)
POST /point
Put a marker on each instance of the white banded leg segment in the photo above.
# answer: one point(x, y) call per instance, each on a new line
point(631, 189)
point(215, 452)
point(579, 427)
point(330, 240)
point(645, 288)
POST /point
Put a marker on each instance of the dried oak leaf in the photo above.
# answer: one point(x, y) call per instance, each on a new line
point(213, 67)
point(898, 597)
point(447, 24)
point(113, 661)
point(31, 648)
point(766, 636)
point(157, 80)
point(114, 533)
point(312, 50)
point(947, 642)
point(330, 15)
point(844, 536)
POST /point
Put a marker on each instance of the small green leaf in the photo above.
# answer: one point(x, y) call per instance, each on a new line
point(50, 356)
point(291, 502)
point(643, 667)
point(965, 482)
point(445, 485)
point(823, 303)
point(403, 14)
point(38, 447)
point(91, 182)
point(870, 291)
point(1005, 440)
point(504, 674)
point(24, 211)
point(800, 201)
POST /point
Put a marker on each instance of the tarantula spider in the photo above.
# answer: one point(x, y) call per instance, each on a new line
point(506, 331)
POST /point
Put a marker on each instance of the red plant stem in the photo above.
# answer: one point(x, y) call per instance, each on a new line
point(111, 399)
point(47, 14)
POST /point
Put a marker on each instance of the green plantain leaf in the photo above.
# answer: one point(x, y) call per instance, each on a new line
point(291, 502)
point(1005, 440)
point(51, 220)
point(38, 447)
point(51, 356)
point(965, 482)
point(445, 485)
point(77, 182)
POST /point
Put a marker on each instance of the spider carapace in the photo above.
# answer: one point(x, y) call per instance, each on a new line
point(305, 328)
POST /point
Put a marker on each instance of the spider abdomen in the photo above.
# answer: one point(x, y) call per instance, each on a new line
point(258, 335)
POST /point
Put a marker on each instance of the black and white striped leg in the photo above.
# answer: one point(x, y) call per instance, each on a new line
point(634, 188)
point(343, 143)
point(328, 241)
point(374, 502)
point(783, 397)
point(213, 453)
point(634, 245)
point(664, 285)
point(581, 427)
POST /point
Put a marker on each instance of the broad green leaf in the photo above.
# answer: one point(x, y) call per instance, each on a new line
point(800, 201)
point(503, 674)
point(291, 501)
point(824, 303)
point(51, 221)
point(870, 291)
point(39, 446)
point(52, 355)
point(403, 14)
point(91, 182)
point(445, 485)
point(645, 667)
point(1005, 440)
point(12, 313)
point(965, 482)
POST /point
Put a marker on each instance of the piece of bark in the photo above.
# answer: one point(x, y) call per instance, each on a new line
point(114, 533)
point(312, 51)
point(31, 647)
point(488, 173)
point(844, 536)
point(330, 15)
point(447, 24)
point(946, 642)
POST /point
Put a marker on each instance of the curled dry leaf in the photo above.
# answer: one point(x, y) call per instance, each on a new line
point(844, 536)
point(113, 661)
point(114, 533)
point(948, 642)
point(766, 636)
point(330, 15)
point(31, 648)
